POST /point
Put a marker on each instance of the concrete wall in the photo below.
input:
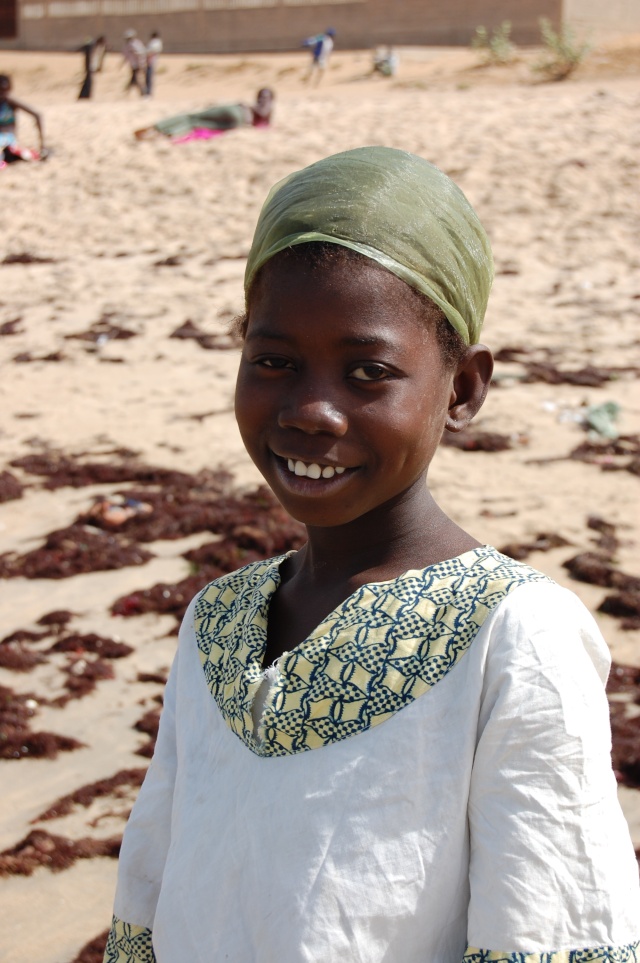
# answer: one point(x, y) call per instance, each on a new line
point(603, 17)
point(220, 26)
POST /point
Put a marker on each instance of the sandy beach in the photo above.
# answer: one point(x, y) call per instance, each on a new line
point(120, 271)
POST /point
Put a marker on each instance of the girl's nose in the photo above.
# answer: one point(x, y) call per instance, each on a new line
point(313, 414)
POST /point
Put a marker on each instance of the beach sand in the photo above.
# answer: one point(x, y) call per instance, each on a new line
point(113, 234)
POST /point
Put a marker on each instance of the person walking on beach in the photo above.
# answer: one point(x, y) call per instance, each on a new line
point(134, 53)
point(321, 47)
point(93, 52)
point(393, 745)
point(154, 49)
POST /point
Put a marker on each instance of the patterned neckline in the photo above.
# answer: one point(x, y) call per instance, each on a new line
point(376, 652)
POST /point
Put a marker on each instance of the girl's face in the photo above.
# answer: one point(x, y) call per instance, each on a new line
point(342, 395)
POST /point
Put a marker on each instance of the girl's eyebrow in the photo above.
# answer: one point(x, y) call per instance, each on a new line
point(255, 331)
point(356, 341)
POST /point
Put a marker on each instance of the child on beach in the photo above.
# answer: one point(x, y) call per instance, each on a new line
point(392, 745)
point(9, 108)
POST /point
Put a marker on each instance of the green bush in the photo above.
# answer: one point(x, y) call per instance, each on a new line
point(494, 46)
point(562, 52)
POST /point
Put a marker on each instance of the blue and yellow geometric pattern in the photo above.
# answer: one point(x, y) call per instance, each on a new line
point(597, 954)
point(128, 944)
point(377, 652)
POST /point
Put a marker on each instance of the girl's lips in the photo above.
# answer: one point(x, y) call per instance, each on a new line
point(305, 477)
point(313, 470)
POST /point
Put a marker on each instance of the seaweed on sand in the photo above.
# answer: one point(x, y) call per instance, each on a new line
point(210, 342)
point(471, 439)
point(62, 471)
point(85, 795)
point(624, 683)
point(254, 527)
point(103, 330)
point(16, 738)
point(542, 542)
point(72, 551)
point(41, 849)
point(10, 487)
point(148, 724)
point(93, 951)
point(598, 568)
point(90, 642)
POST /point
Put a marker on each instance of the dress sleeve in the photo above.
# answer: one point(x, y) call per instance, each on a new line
point(146, 839)
point(553, 875)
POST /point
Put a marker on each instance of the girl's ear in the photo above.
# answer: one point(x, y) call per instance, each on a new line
point(470, 385)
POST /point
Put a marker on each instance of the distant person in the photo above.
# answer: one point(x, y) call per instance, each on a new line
point(321, 48)
point(220, 117)
point(9, 107)
point(385, 64)
point(93, 52)
point(134, 53)
point(154, 49)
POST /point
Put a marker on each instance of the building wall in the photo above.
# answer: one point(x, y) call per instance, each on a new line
point(221, 26)
point(597, 17)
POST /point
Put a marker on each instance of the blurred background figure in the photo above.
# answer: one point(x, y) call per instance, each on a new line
point(321, 46)
point(385, 62)
point(9, 107)
point(93, 52)
point(154, 49)
point(134, 53)
point(212, 120)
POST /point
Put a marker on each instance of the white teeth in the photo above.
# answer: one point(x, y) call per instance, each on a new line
point(313, 470)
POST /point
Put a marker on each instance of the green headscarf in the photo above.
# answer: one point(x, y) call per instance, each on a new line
point(395, 208)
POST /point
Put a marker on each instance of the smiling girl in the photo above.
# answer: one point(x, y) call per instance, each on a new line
point(392, 745)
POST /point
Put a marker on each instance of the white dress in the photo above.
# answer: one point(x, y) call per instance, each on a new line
point(430, 782)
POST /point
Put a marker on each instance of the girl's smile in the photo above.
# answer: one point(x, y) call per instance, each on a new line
point(342, 394)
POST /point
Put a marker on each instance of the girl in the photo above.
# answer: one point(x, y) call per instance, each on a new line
point(392, 745)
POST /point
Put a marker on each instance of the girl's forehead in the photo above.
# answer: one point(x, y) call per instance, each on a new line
point(335, 306)
point(357, 286)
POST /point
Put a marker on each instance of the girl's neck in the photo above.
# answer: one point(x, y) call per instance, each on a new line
point(413, 532)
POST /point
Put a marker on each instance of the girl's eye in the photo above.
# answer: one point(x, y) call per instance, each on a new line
point(277, 363)
point(370, 372)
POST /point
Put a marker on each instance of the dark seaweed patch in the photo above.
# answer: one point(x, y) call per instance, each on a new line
point(16, 738)
point(9, 328)
point(149, 725)
point(73, 551)
point(82, 676)
point(10, 488)
point(112, 786)
point(471, 439)
point(210, 342)
point(26, 258)
point(598, 568)
point(90, 642)
point(63, 471)
point(42, 849)
point(93, 951)
point(624, 680)
point(102, 331)
point(542, 542)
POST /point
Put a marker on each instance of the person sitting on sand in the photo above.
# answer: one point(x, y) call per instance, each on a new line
point(9, 107)
point(217, 118)
point(392, 745)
